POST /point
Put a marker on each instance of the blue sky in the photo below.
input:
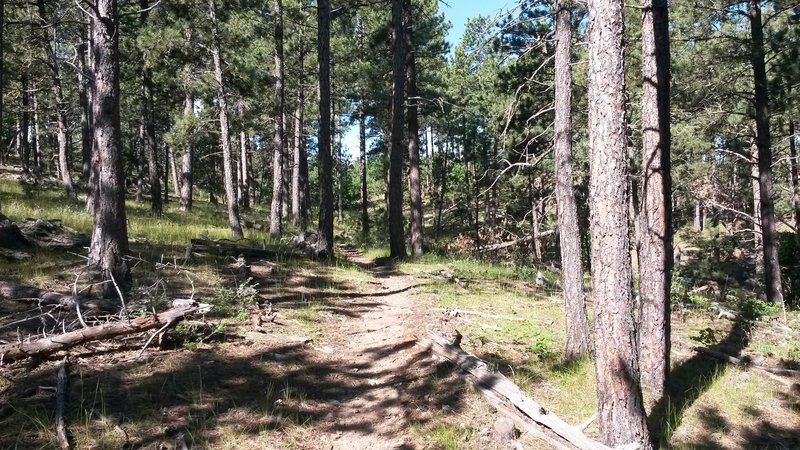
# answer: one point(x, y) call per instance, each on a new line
point(457, 12)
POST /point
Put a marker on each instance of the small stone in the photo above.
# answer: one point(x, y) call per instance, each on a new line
point(504, 429)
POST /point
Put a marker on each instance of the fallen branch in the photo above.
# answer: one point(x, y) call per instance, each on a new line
point(49, 345)
point(522, 240)
point(61, 406)
point(486, 379)
point(455, 312)
point(10, 291)
point(742, 362)
point(229, 248)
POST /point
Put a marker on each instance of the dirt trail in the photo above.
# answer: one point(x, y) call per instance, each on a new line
point(377, 347)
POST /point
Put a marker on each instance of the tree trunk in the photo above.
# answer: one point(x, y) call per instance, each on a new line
point(533, 200)
point(412, 136)
point(362, 146)
point(698, 216)
point(173, 173)
point(297, 208)
point(156, 203)
point(397, 243)
point(655, 238)
point(187, 181)
point(444, 152)
point(25, 155)
point(36, 139)
point(758, 234)
point(110, 227)
point(227, 167)
point(772, 269)
point(276, 210)
point(288, 152)
point(795, 176)
point(244, 156)
point(576, 342)
point(619, 397)
point(58, 99)
point(83, 101)
point(325, 242)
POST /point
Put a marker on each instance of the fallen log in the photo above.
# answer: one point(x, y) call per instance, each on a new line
point(743, 362)
point(486, 379)
point(522, 240)
point(49, 345)
point(10, 291)
point(229, 248)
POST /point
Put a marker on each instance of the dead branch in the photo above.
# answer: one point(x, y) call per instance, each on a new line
point(61, 406)
point(52, 344)
point(522, 240)
point(743, 362)
point(486, 379)
point(229, 248)
point(10, 291)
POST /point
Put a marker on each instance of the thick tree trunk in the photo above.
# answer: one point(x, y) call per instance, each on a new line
point(278, 141)
point(655, 238)
point(619, 397)
point(397, 243)
point(772, 268)
point(362, 147)
point(758, 235)
point(83, 101)
point(227, 163)
point(576, 342)
point(412, 136)
point(110, 227)
point(325, 242)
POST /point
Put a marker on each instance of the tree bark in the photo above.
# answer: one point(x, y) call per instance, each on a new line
point(325, 242)
point(83, 101)
point(58, 99)
point(156, 203)
point(227, 167)
point(244, 161)
point(362, 146)
point(276, 210)
point(173, 172)
point(576, 342)
point(298, 196)
point(619, 397)
point(412, 136)
point(795, 176)
point(758, 235)
point(772, 269)
point(110, 226)
point(655, 238)
point(25, 155)
point(187, 181)
point(397, 243)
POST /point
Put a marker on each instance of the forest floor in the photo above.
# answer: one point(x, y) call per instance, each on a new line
point(302, 354)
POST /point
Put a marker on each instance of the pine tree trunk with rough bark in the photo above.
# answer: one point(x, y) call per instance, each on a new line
point(83, 102)
point(758, 235)
point(187, 178)
point(278, 141)
point(619, 397)
point(325, 242)
point(576, 342)
point(109, 243)
point(222, 105)
point(156, 203)
point(397, 243)
point(655, 238)
point(412, 136)
point(772, 268)
point(244, 159)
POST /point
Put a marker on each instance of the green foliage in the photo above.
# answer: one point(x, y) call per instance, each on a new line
point(789, 258)
point(752, 309)
point(706, 336)
point(234, 302)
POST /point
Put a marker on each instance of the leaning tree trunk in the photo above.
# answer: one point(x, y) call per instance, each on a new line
point(109, 244)
point(412, 136)
point(227, 167)
point(772, 268)
point(576, 342)
point(397, 243)
point(278, 141)
point(619, 396)
point(655, 213)
point(325, 242)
